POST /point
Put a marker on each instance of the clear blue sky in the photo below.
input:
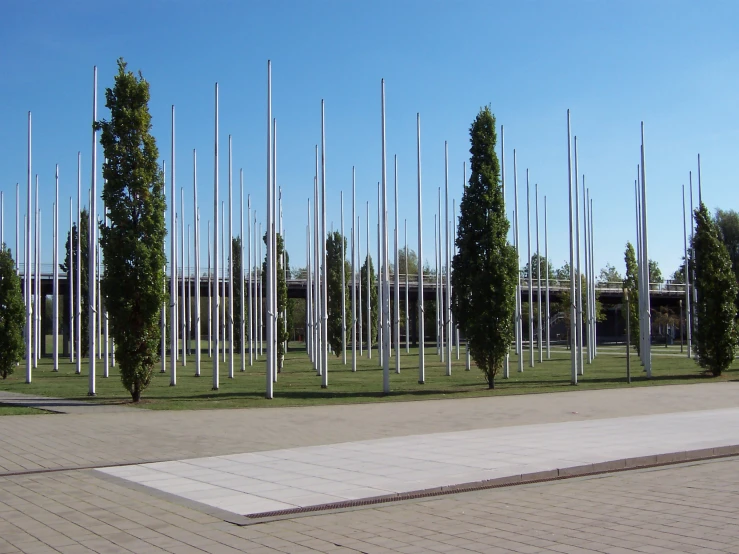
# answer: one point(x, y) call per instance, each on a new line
point(672, 64)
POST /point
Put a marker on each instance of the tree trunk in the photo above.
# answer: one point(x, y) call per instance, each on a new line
point(136, 393)
point(491, 381)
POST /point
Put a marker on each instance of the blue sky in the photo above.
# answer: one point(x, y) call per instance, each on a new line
point(671, 64)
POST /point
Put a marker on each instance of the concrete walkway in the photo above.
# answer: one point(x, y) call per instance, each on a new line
point(58, 405)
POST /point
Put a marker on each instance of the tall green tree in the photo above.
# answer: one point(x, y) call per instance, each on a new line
point(12, 314)
point(71, 253)
point(538, 265)
point(238, 286)
point(610, 274)
point(373, 299)
point(282, 333)
point(631, 282)
point(133, 242)
point(715, 333)
point(484, 269)
point(655, 273)
point(335, 257)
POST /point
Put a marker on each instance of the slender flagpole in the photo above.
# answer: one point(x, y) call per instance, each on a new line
point(573, 329)
point(437, 295)
point(578, 299)
point(173, 269)
point(275, 255)
point(447, 300)
point(183, 301)
point(55, 298)
point(269, 381)
point(70, 280)
point(92, 284)
point(324, 266)
point(531, 292)
point(538, 278)
point(592, 278)
point(359, 285)
point(385, 280)
point(586, 239)
point(17, 231)
point(27, 264)
point(251, 292)
point(188, 296)
point(369, 290)
point(309, 346)
point(222, 313)
point(380, 305)
point(645, 257)
point(259, 288)
point(518, 319)
point(354, 274)
point(317, 323)
point(407, 305)
point(343, 282)
point(546, 268)
point(210, 300)
point(455, 327)
point(214, 294)
point(78, 276)
point(163, 318)
point(37, 284)
point(686, 269)
point(241, 276)
point(397, 278)
point(196, 213)
point(506, 363)
point(640, 284)
point(467, 353)
point(106, 334)
point(230, 266)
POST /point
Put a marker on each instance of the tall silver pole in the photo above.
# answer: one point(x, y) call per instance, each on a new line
point(420, 324)
point(380, 305)
point(183, 305)
point(196, 212)
point(223, 281)
point(188, 296)
point(538, 278)
point(106, 334)
point(70, 281)
point(546, 257)
point(241, 276)
point(640, 262)
point(437, 295)
point(592, 278)
point(448, 275)
point(407, 305)
point(309, 292)
point(467, 354)
point(384, 262)
point(354, 273)
point(397, 277)
point(27, 264)
point(275, 257)
point(324, 266)
point(506, 363)
point(17, 233)
point(589, 283)
point(37, 283)
point(230, 266)
point(531, 292)
point(251, 292)
point(78, 277)
point(517, 319)
point(173, 269)
point(580, 368)
point(260, 290)
point(686, 269)
point(343, 283)
point(269, 263)
point(317, 322)
point(92, 283)
point(55, 298)
point(369, 290)
point(210, 300)
point(645, 256)
point(359, 285)
point(573, 328)
point(214, 294)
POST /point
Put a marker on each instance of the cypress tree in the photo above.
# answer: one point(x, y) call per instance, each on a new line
point(72, 251)
point(12, 314)
point(715, 332)
point(631, 282)
point(133, 242)
point(484, 269)
point(335, 256)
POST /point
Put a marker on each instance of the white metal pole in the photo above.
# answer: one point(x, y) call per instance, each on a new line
point(580, 369)
point(592, 278)
point(407, 305)
point(37, 283)
point(78, 276)
point(251, 292)
point(27, 264)
point(309, 346)
point(92, 284)
point(215, 302)
point(538, 280)
point(448, 273)
point(384, 259)
point(210, 300)
point(173, 269)
point(222, 314)
point(106, 334)
point(359, 286)
point(440, 278)
point(196, 213)
point(420, 325)
point(397, 277)
point(188, 296)
point(506, 363)
point(70, 282)
point(369, 290)
point(380, 325)
point(183, 300)
point(586, 244)
point(531, 291)
point(517, 318)
point(275, 257)
point(17, 231)
point(354, 274)
point(343, 282)
point(269, 381)
point(546, 258)
point(230, 266)
point(686, 269)
point(241, 276)
point(437, 295)
point(163, 324)
point(324, 284)
point(645, 256)
point(260, 291)
point(55, 298)
point(573, 329)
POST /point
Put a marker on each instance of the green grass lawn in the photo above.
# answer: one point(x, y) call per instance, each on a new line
point(298, 384)
point(19, 410)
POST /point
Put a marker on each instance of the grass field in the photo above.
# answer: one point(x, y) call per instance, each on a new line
point(19, 410)
point(299, 385)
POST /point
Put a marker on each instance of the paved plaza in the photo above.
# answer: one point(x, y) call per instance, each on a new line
point(68, 481)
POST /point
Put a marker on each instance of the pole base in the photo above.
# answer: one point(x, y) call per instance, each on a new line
point(324, 386)
point(422, 382)
point(196, 375)
point(91, 394)
point(214, 388)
